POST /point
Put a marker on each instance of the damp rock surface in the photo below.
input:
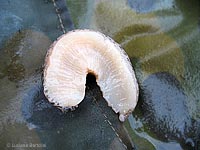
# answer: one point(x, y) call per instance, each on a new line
point(25, 113)
point(164, 106)
point(23, 54)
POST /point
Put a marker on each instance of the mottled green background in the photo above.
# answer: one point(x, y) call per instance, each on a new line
point(162, 39)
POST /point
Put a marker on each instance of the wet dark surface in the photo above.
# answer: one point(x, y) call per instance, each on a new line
point(62, 9)
point(162, 39)
point(36, 15)
point(84, 128)
point(78, 129)
point(164, 107)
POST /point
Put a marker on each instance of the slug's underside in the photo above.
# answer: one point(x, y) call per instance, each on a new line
point(80, 52)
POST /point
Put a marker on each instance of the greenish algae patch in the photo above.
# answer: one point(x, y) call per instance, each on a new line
point(13, 42)
point(10, 60)
point(15, 72)
point(136, 29)
point(141, 37)
point(140, 143)
point(23, 54)
point(77, 10)
point(166, 62)
point(190, 12)
point(157, 53)
point(113, 16)
point(143, 46)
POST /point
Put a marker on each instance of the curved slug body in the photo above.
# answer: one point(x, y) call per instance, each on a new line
point(80, 52)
